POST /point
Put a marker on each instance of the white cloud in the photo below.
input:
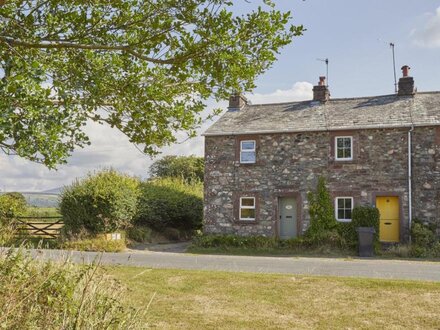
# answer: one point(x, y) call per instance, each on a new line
point(300, 91)
point(111, 148)
point(428, 35)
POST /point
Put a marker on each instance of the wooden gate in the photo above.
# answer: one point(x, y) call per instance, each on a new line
point(43, 227)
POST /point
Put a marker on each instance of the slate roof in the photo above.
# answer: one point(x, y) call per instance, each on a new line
point(388, 111)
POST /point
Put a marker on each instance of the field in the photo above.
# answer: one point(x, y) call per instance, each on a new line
point(221, 300)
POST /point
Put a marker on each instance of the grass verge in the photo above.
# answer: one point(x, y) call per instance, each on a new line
point(221, 300)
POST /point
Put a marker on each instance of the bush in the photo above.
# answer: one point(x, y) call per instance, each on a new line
point(422, 235)
point(100, 203)
point(323, 229)
point(139, 234)
point(170, 202)
point(48, 295)
point(12, 205)
point(270, 244)
point(362, 216)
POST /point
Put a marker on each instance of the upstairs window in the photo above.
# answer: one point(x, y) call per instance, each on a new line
point(343, 208)
point(247, 152)
point(344, 148)
point(247, 208)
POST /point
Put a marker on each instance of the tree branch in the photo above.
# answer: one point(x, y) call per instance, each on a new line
point(61, 45)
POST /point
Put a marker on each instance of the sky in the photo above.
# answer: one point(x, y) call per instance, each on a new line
point(353, 35)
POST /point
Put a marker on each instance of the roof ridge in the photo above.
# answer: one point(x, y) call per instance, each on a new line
point(336, 99)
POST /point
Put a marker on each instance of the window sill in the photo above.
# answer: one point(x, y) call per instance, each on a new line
point(344, 220)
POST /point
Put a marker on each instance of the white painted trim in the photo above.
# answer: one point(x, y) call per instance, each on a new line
point(336, 207)
point(254, 150)
point(336, 148)
point(247, 207)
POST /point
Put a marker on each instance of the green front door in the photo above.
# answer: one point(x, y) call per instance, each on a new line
point(288, 220)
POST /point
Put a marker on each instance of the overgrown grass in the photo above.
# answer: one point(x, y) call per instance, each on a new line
point(48, 295)
point(99, 244)
point(221, 300)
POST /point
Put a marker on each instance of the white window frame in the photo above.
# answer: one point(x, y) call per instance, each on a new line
point(247, 207)
point(336, 208)
point(254, 150)
point(336, 148)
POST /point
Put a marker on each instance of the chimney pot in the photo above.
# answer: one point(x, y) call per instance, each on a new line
point(321, 92)
point(405, 70)
point(237, 101)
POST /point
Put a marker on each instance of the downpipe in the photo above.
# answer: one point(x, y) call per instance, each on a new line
point(410, 181)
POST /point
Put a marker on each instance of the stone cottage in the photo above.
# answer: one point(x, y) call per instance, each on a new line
point(261, 160)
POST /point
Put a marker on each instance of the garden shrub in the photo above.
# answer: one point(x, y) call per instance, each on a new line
point(323, 229)
point(102, 202)
point(362, 216)
point(422, 235)
point(49, 295)
point(170, 202)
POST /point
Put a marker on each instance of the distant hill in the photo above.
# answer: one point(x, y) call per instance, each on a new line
point(47, 198)
point(42, 199)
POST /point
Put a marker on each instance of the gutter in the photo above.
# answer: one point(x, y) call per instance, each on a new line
point(348, 128)
point(410, 181)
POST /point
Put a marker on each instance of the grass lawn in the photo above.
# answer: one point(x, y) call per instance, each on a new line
point(220, 300)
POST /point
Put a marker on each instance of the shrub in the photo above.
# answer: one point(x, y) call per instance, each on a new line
point(48, 295)
point(139, 234)
point(102, 202)
point(362, 216)
point(170, 202)
point(12, 205)
point(270, 244)
point(323, 229)
point(422, 235)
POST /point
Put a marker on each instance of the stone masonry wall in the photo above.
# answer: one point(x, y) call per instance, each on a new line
point(292, 163)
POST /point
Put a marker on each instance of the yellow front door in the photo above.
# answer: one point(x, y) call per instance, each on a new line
point(389, 228)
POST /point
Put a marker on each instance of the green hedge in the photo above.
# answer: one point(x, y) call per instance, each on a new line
point(170, 202)
point(100, 203)
point(362, 216)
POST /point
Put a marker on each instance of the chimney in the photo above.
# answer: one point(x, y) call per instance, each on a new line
point(237, 101)
point(406, 83)
point(321, 92)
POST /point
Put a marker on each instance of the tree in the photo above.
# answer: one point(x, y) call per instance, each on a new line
point(188, 168)
point(143, 67)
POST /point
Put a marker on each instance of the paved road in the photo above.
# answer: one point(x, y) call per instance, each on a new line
point(370, 268)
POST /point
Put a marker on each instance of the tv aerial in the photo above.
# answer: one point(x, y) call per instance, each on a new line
point(326, 61)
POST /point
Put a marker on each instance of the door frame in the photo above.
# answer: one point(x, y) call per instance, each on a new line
point(277, 198)
point(402, 224)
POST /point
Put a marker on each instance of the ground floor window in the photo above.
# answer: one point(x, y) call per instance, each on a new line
point(343, 208)
point(247, 208)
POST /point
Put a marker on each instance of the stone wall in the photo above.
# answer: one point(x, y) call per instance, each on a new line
point(290, 164)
